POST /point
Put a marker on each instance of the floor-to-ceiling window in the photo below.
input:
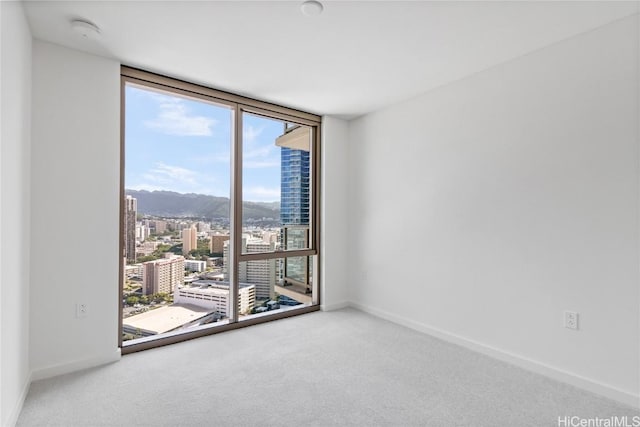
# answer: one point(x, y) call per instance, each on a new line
point(219, 211)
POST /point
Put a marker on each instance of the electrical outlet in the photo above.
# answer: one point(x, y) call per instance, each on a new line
point(81, 310)
point(571, 320)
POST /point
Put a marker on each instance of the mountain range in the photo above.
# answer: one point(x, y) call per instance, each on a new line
point(172, 204)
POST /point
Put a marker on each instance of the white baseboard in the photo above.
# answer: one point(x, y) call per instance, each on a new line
point(76, 365)
point(12, 419)
point(523, 362)
point(334, 306)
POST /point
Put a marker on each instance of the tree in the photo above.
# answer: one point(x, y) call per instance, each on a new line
point(202, 251)
point(176, 249)
point(132, 300)
point(162, 248)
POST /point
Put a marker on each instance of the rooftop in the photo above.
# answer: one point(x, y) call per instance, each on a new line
point(165, 319)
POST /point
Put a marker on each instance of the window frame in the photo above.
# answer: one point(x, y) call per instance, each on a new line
point(238, 105)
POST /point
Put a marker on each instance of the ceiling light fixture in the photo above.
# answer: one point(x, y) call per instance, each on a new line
point(86, 29)
point(311, 8)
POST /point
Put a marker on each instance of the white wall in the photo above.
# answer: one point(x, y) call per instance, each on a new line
point(75, 192)
point(15, 89)
point(333, 260)
point(482, 210)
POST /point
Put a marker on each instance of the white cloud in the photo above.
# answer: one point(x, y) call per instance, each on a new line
point(261, 194)
point(144, 186)
point(256, 164)
point(249, 133)
point(256, 155)
point(174, 119)
point(263, 151)
point(175, 172)
point(181, 180)
point(168, 175)
point(212, 159)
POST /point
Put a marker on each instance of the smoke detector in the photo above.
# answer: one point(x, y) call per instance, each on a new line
point(311, 8)
point(86, 29)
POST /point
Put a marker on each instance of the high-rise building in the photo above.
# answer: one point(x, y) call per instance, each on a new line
point(130, 214)
point(162, 275)
point(142, 232)
point(189, 239)
point(294, 185)
point(262, 273)
point(217, 243)
point(159, 226)
point(295, 158)
point(203, 227)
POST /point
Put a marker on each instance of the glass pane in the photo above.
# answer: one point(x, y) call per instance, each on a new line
point(280, 284)
point(276, 191)
point(177, 184)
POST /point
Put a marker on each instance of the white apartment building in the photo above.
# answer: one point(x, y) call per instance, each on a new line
point(142, 232)
point(214, 296)
point(134, 270)
point(194, 265)
point(261, 273)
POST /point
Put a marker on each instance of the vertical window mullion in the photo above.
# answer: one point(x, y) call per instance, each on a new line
point(235, 224)
point(315, 212)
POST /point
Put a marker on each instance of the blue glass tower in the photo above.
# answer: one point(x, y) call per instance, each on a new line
point(294, 187)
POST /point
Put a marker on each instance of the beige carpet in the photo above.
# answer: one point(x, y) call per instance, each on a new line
point(326, 369)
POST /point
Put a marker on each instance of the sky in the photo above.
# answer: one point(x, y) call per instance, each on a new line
point(181, 144)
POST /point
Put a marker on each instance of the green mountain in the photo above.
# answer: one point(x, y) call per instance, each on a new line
point(172, 204)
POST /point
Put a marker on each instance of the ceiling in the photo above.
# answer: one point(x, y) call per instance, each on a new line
point(354, 58)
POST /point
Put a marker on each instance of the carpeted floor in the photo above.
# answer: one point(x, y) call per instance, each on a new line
point(326, 369)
